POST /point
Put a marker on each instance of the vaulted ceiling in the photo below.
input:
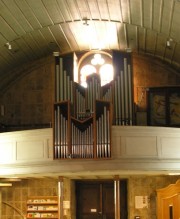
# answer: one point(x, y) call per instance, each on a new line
point(31, 29)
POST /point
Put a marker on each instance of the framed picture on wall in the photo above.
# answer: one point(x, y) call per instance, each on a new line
point(163, 106)
point(174, 108)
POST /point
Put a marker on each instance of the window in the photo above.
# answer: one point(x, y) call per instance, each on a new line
point(100, 63)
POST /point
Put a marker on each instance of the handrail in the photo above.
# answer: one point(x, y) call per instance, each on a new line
point(16, 209)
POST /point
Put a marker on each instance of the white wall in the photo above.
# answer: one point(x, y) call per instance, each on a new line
point(26, 146)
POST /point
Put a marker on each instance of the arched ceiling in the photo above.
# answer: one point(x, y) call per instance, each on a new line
point(31, 29)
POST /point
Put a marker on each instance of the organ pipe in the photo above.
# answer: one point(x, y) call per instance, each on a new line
point(76, 133)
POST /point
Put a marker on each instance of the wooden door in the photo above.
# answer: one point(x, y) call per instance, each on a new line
point(95, 200)
point(171, 207)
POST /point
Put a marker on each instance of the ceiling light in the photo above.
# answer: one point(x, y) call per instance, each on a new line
point(8, 45)
point(85, 21)
point(2, 180)
point(56, 53)
point(168, 43)
point(5, 184)
point(174, 174)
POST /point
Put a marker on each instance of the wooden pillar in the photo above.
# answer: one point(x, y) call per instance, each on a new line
point(60, 197)
point(117, 197)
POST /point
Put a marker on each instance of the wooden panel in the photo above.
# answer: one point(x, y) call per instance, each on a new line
point(104, 10)
point(60, 38)
point(7, 151)
point(22, 18)
point(151, 41)
point(169, 53)
point(42, 43)
point(94, 9)
point(125, 11)
point(74, 10)
point(144, 142)
point(170, 147)
point(26, 146)
point(176, 54)
point(10, 18)
point(81, 34)
point(95, 200)
point(53, 10)
point(70, 36)
point(131, 35)
point(29, 150)
point(139, 146)
point(141, 39)
point(134, 142)
point(40, 12)
point(111, 35)
point(116, 150)
point(48, 36)
point(108, 203)
point(23, 46)
point(24, 15)
point(160, 48)
point(136, 12)
point(156, 14)
point(8, 32)
point(64, 10)
point(121, 34)
point(101, 32)
point(115, 10)
point(88, 203)
point(32, 44)
point(175, 19)
point(166, 16)
point(83, 7)
point(147, 13)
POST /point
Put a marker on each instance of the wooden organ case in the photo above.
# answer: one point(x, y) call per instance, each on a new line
point(83, 117)
point(168, 202)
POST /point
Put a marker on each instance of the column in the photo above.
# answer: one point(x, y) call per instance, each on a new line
point(60, 197)
point(117, 197)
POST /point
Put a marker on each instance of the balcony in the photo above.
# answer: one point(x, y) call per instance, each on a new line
point(135, 149)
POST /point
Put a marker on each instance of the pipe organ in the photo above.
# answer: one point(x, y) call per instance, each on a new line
point(83, 116)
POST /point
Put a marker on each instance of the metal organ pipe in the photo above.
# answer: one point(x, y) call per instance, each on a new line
point(116, 102)
point(57, 97)
point(82, 138)
point(61, 78)
point(120, 109)
point(103, 134)
point(130, 95)
point(122, 98)
point(126, 85)
point(108, 134)
point(81, 142)
point(108, 95)
point(55, 133)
